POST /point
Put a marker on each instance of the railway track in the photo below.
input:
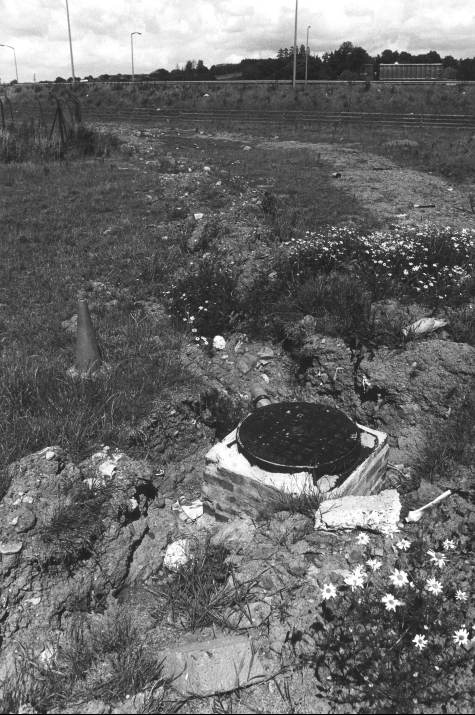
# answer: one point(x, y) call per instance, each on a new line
point(281, 117)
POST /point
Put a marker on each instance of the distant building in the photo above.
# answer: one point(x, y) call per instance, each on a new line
point(410, 71)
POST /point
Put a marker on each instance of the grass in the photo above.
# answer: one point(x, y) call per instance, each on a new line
point(98, 658)
point(203, 592)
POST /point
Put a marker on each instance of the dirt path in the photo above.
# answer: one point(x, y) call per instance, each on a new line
point(391, 192)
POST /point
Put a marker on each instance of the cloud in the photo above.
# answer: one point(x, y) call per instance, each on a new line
point(216, 31)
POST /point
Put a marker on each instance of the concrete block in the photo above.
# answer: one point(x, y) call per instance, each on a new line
point(217, 666)
point(378, 511)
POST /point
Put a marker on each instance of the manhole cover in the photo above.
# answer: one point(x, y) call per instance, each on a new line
point(300, 436)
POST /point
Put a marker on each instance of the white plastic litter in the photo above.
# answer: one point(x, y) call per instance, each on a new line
point(417, 514)
point(177, 555)
point(424, 325)
point(198, 216)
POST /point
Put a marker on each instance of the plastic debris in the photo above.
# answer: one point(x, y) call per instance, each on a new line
point(424, 325)
point(188, 512)
point(198, 216)
point(177, 555)
point(417, 514)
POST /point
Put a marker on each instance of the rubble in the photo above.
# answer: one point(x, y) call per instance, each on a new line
point(378, 512)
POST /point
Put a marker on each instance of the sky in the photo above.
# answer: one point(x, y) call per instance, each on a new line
point(215, 31)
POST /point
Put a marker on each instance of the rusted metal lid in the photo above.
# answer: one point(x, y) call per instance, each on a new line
point(300, 436)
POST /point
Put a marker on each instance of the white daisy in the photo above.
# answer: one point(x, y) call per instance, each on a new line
point(460, 637)
point(398, 578)
point(328, 591)
point(420, 641)
point(390, 602)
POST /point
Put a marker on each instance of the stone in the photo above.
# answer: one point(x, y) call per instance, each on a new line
point(252, 615)
point(235, 535)
point(380, 512)
point(10, 547)
point(201, 669)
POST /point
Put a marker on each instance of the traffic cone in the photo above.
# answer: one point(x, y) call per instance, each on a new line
point(88, 357)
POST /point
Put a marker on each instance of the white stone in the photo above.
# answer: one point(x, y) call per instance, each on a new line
point(219, 343)
point(50, 455)
point(198, 216)
point(377, 511)
point(177, 554)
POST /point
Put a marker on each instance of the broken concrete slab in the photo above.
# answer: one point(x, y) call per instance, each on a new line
point(204, 668)
point(380, 512)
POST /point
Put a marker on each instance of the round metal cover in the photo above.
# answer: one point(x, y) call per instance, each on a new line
point(300, 436)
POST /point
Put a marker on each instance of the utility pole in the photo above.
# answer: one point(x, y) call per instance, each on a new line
point(14, 57)
point(306, 57)
point(132, 51)
point(70, 43)
point(295, 45)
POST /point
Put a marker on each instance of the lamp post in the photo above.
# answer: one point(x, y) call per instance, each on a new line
point(306, 56)
point(132, 51)
point(294, 77)
point(70, 43)
point(14, 57)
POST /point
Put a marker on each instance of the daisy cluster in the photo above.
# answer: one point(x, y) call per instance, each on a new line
point(389, 632)
point(431, 262)
point(370, 577)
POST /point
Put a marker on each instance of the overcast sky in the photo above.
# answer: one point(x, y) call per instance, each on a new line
point(216, 31)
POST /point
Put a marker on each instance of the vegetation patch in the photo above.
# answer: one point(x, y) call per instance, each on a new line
point(398, 640)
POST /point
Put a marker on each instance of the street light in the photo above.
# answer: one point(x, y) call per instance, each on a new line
point(132, 50)
point(295, 44)
point(70, 43)
point(306, 56)
point(14, 56)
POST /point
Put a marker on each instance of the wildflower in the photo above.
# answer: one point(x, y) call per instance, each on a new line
point(449, 544)
point(434, 586)
point(328, 591)
point(390, 602)
point(398, 578)
point(437, 559)
point(420, 641)
point(403, 545)
point(355, 579)
point(374, 564)
point(460, 595)
point(461, 636)
point(362, 539)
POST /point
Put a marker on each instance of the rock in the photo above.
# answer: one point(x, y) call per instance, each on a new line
point(177, 555)
point(412, 400)
point(219, 343)
point(235, 535)
point(266, 354)
point(10, 547)
point(201, 669)
point(252, 615)
point(24, 520)
point(246, 362)
point(380, 512)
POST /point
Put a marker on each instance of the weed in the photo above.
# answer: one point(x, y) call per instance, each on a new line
point(204, 298)
point(74, 526)
point(203, 590)
point(98, 658)
point(306, 503)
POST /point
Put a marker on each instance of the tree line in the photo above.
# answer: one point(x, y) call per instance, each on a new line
point(348, 62)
